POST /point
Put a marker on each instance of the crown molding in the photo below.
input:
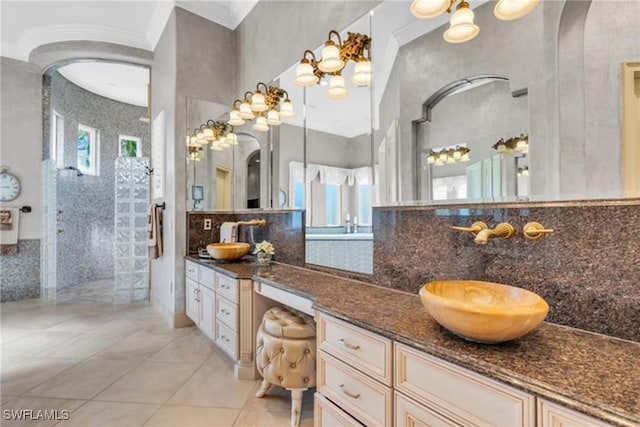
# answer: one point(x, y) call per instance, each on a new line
point(158, 22)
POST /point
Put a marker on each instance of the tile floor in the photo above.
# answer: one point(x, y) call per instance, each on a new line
point(121, 365)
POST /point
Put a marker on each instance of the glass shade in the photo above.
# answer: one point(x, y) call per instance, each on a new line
point(208, 134)
point(261, 124)
point(465, 157)
point(439, 162)
point(245, 111)
point(462, 29)
point(273, 118)
point(508, 10)
point(232, 138)
point(200, 134)
point(215, 147)
point(305, 76)
point(337, 90)
point(224, 142)
point(450, 160)
point(457, 155)
point(286, 110)
point(362, 73)
point(425, 9)
point(235, 119)
point(431, 159)
point(257, 103)
point(331, 61)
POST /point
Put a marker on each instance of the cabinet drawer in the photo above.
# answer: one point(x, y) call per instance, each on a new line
point(464, 396)
point(367, 400)
point(206, 277)
point(227, 340)
point(553, 415)
point(326, 414)
point(360, 348)
point(227, 312)
point(192, 270)
point(409, 413)
point(227, 286)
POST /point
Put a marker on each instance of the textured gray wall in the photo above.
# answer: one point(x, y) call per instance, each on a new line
point(85, 247)
point(20, 149)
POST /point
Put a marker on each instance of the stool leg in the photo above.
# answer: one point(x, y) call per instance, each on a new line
point(264, 388)
point(296, 406)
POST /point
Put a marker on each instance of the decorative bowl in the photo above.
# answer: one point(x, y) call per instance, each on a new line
point(228, 251)
point(484, 312)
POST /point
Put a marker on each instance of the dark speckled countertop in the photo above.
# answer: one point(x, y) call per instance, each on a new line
point(591, 373)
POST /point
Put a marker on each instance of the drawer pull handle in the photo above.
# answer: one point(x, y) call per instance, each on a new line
point(224, 287)
point(225, 312)
point(224, 338)
point(348, 393)
point(346, 344)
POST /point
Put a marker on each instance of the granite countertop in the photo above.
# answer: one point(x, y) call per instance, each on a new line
point(591, 373)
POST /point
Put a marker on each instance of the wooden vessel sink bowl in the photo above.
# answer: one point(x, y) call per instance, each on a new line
point(483, 311)
point(228, 251)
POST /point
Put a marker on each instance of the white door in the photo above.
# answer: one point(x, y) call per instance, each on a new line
point(207, 312)
point(192, 300)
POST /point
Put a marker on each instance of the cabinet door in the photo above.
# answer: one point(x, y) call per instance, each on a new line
point(192, 301)
point(553, 415)
point(207, 312)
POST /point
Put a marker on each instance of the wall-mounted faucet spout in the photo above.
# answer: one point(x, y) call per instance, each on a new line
point(504, 229)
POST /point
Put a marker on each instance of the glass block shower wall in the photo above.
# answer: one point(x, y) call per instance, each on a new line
point(131, 274)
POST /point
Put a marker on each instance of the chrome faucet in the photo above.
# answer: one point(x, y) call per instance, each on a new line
point(504, 230)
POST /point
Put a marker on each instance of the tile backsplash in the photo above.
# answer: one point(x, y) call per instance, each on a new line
point(588, 270)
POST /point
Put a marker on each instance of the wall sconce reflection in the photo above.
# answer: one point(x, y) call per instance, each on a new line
point(524, 171)
point(219, 135)
point(448, 156)
point(516, 143)
point(267, 105)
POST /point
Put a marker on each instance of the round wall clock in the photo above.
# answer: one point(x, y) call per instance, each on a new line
point(9, 186)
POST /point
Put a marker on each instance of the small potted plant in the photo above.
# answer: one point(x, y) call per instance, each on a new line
point(263, 252)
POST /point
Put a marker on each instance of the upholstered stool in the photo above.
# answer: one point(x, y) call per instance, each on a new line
point(286, 355)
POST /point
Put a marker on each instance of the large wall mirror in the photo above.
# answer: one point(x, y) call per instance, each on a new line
point(555, 78)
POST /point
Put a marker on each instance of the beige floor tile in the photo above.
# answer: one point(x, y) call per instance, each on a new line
point(39, 318)
point(138, 346)
point(85, 345)
point(82, 323)
point(6, 399)
point(21, 375)
point(110, 414)
point(250, 418)
point(278, 399)
point(12, 334)
point(120, 326)
point(37, 341)
point(150, 382)
point(183, 416)
point(84, 380)
point(214, 385)
point(192, 347)
point(43, 411)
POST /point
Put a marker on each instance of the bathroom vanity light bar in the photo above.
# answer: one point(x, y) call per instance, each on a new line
point(461, 27)
point(219, 135)
point(335, 56)
point(262, 105)
point(516, 143)
point(448, 156)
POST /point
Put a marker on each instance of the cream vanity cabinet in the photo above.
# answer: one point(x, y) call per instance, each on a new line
point(200, 298)
point(221, 306)
point(553, 415)
point(354, 376)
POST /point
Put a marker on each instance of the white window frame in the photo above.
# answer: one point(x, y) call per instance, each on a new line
point(56, 145)
point(138, 141)
point(94, 138)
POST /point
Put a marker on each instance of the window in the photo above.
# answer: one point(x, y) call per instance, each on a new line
point(57, 140)
point(130, 146)
point(364, 204)
point(333, 204)
point(298, 200)
point(88, 150)
point(450, 188)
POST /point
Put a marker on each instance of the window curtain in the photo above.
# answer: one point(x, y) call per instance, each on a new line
point(329, 175)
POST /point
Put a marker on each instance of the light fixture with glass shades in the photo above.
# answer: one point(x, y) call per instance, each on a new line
point(448, 156)
point(523, 171)
point(267, 105)
point(336, 54)
point(219, 135)
point(461, 27)
point(510, 145)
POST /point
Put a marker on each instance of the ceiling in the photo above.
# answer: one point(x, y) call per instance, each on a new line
point(25, 25)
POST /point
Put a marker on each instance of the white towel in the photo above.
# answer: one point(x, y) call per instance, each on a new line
point(9, 238)
point(228, 232)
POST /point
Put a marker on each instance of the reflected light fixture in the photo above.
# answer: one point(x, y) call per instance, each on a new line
point(335, 56)
point(510, 145)
point(267, 105)
point(461, 27)
point(524, 171)
point(448, 156)
point(220, 135)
